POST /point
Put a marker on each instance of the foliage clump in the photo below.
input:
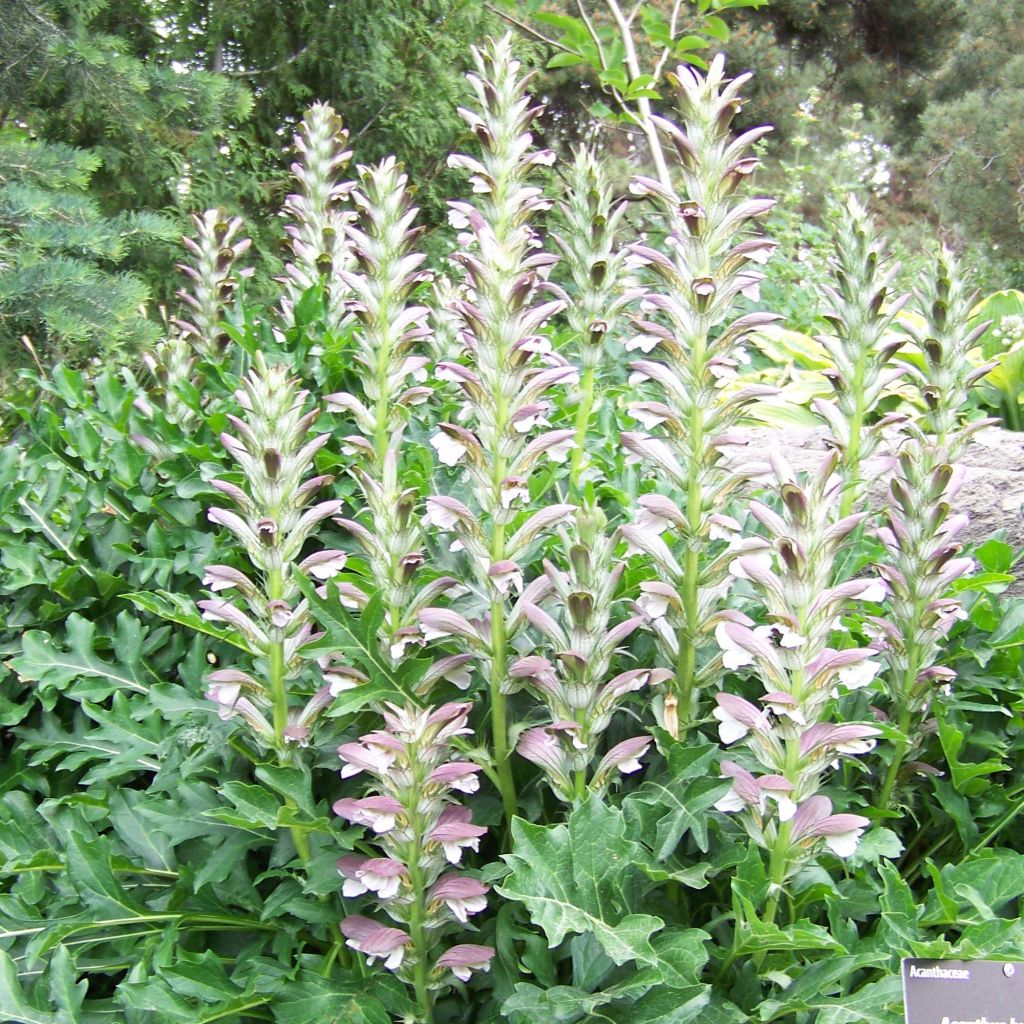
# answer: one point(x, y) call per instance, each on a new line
point(368, 661)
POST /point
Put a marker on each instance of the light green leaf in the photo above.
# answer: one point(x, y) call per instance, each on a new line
point(180, 610)
point(346, 634)
point(43, 661)
point(13, 1004)
point(310, 999)
point(580, 877)
point(679, 801)
point(565, 60)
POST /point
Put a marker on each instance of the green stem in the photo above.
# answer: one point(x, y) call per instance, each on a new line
point(499, 721)
point(421, 979)
point(686, 664)
point(279, 697)
point(994, 831)
point(777, 868)
point(851, 457)
point(898, 754)
point(583, 413)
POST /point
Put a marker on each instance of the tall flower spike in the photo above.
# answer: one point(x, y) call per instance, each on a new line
point(946, 375)
point(508, 371)
point(574, 619)
point(414, 816)
point(389, 337)
point(920, 534)
point(921, 542)
point(691, 344)
point(862, 345)
point(273, 520)
point(318, 228)
point(214, 280)
point(789, 735)
point(171, 364)
point(591, 219)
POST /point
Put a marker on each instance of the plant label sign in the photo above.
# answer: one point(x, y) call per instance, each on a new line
point(963, 991)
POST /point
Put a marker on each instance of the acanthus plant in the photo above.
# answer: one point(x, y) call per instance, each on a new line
point(389, 362)
point(863, 309)
point(793, 732)
point(319, 218)
point(584, 906)
point(411, 810)
point(422, 829)
point(214, 279)
point(591, 223)
point(505, 379)
point(275, 512)
point(574, 616)
point(921, 534)
point(210, 299)
point(691, 343)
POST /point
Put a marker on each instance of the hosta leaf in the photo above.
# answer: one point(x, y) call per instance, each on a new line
point(995, 307)
point(679, 801)
point(580, 877)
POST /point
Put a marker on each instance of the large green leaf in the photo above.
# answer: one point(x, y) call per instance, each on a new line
point(581, 877)
point(354, 636)
point(181, 611)
point(679, 800)
point(14, 1006)
point(310, 999)
point(44, 661)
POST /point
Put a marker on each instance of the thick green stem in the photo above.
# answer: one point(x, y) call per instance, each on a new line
point(421, 980)
point(583, 412)
point(686, 664)
point(499, 722)
point(777, 868)
point(279, 697)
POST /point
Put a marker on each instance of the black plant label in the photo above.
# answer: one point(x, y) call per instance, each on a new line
point(963, 991)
